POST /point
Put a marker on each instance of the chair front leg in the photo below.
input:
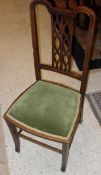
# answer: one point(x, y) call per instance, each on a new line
point(15, 135)
point(65, 154)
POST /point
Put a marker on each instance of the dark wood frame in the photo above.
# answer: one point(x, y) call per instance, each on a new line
point(13, 124)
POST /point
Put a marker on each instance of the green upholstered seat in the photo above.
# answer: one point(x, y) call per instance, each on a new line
point(47, 107)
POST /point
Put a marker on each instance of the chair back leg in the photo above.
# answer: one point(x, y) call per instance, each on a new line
point(81, 117)
point(65, 154)
point(81, 110)
point(15, 136)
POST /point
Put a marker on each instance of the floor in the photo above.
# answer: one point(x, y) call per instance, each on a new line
point(3, 158)
point(16, 74)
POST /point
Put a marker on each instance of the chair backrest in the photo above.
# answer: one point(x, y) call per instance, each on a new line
point(63, 24)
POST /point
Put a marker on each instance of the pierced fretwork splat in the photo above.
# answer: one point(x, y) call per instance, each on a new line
point(62, 34)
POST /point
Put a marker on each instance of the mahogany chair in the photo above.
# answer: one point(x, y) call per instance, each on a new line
point(48, 109)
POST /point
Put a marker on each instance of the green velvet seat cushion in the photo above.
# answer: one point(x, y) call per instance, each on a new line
point(47, 107)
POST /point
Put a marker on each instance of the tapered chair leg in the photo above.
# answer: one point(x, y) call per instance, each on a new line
point(81, 112)
point(15, 136)
point(65, 154)
point(81, 117)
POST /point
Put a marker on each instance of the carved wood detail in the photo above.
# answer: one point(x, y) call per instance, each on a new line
point(62, 36)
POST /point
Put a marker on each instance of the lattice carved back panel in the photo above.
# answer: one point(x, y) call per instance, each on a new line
point(62, 31)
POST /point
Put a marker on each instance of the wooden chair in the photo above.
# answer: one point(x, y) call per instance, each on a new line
point(48, 109)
